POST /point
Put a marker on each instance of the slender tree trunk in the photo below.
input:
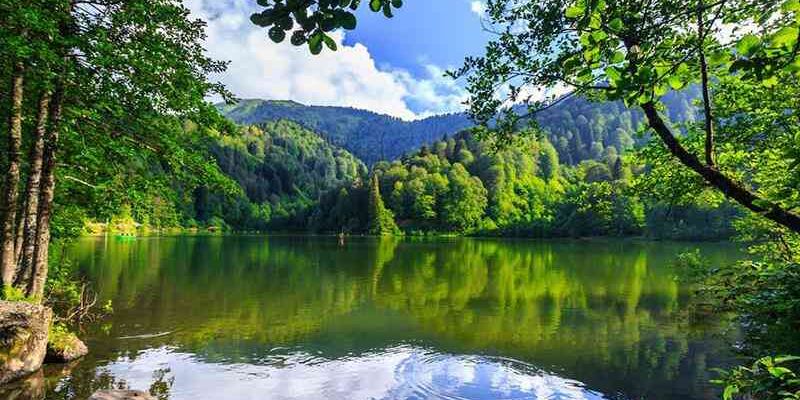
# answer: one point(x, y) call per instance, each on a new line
point(11, 195)
point(46, 192)
point(18, 236)
point(26, 245)
point(719, 180)
point(707, 110)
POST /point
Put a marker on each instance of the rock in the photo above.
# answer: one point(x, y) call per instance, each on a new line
point(121, 395)
point(63, 347)
point(29, 387)
point(23, 338)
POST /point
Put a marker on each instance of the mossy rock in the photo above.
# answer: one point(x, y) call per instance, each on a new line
point(23, 338)
point(63, 346)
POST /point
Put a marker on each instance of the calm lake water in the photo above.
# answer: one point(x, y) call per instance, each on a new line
point(316, 318)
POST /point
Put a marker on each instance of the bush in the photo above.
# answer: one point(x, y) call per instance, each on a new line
point(11, 293)
point(768, 378)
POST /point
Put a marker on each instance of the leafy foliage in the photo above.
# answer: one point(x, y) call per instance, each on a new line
point(311, 21)
point(768, 378)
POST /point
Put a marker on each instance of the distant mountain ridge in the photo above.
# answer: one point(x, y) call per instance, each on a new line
point(578, 128)
point(369, 136)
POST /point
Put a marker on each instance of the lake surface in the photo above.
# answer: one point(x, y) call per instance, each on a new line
point(319, 318)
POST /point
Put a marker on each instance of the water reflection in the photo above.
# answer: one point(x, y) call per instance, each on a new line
point(294, 317)
point(402, 372)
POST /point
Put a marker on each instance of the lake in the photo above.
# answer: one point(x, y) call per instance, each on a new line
point(254, 317)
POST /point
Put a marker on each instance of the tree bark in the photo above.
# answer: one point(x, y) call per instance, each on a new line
point(46, 193)
point(11, 195)
point(707, 110)
point(716, 178)
point(29, 221)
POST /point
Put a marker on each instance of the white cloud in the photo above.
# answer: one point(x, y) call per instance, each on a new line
point(478, 7)
point(434, 95)
point(347, 77)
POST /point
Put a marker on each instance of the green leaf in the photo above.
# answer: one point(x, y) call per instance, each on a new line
point(779, 371)
point(276, 34)
point(783, 359)
point(748, 45)
point(575, 11)
point(599, 36)
point(770, 82)
point(315, 43)
point(348, 21)
point(615, 25)
point(298, 38)
point(329, 42)
point(614, 76)
point(786, 37)
point(791, 5)
point(660, 90)
point(729, 391)
point(375, 5)
point(675, 82)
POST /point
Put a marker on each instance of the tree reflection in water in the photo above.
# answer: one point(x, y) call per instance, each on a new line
point(246, 310)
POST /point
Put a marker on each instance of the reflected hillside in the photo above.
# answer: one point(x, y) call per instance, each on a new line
point(609, 314)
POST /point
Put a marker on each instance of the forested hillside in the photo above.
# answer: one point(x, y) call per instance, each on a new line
point(589, 130)
point(579, 129)
point(369, 136)
point(282, 176)
point(460, 185)
point(283, 170)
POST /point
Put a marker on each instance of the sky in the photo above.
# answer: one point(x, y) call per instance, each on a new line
point(392, 66)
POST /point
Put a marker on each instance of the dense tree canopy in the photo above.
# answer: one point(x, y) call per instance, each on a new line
point(108, 84)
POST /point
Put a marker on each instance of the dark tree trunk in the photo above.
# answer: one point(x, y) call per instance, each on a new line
point(46, 193)
point(716, 178)
point(26, 245)
point(11, 195)
point(704, 85)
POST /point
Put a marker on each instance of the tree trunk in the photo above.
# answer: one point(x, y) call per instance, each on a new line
point(716, 178)
point(27, 243)
point(41, 242)
point(704, 86)
point(11, 195)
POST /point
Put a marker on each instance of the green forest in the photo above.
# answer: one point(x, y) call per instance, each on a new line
point(662, 119)
point(279, 176)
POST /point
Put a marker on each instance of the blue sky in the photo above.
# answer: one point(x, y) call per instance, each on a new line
point(441, 32)
point(389, 66)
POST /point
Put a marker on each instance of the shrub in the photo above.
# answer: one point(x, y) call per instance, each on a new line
point(768, 378)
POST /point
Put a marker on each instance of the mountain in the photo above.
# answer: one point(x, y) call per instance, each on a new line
point(587, 130)
point(578, 128)
point(282, 169)
point(369, 136)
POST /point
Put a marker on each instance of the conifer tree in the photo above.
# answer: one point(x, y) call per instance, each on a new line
point(381, 219)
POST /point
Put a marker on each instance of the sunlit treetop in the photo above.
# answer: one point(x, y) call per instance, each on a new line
point(311, 21)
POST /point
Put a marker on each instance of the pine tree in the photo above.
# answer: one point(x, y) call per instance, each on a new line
point(381, 219)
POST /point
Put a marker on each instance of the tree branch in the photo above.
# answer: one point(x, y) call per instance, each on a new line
point(716, 178)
